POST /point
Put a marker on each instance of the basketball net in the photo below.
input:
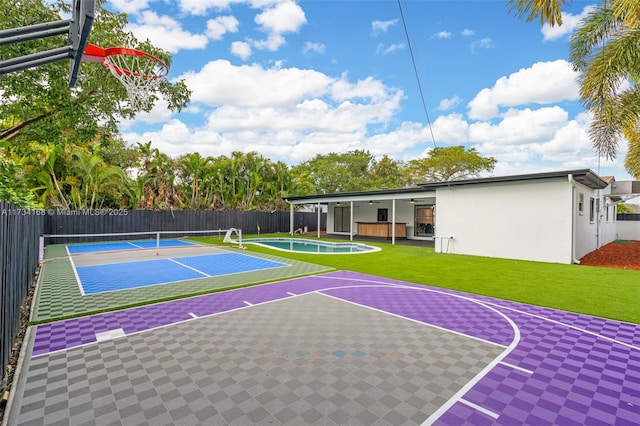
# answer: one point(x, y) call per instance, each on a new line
point(139, 72)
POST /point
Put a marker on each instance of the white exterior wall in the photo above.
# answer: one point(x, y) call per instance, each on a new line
point(514, 220)
point(593, 233)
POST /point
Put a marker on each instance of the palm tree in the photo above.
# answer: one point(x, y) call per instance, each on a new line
point(605, 49)
point(93, 180)
point(192, 168)
point(550, 11)
point(51, 189)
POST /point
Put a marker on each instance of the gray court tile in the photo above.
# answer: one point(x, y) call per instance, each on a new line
point(309, 359)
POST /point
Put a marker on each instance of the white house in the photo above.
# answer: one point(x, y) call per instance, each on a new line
point(550, 217)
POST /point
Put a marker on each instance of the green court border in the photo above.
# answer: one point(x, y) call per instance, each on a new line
point(58, 295)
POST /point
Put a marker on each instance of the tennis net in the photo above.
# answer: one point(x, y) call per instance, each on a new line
point(125, 244)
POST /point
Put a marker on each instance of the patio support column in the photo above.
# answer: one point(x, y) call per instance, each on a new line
point(319, 215)
point(393, 221)
point(291, 213)
point(351, 222)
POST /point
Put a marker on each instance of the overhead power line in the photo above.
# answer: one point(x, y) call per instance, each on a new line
point(415, 70)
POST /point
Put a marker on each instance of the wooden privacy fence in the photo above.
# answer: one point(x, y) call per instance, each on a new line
point(115, 221)
point(19, 233)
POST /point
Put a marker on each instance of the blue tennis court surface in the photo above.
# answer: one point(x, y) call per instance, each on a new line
point(125, 245)
point(121, 276)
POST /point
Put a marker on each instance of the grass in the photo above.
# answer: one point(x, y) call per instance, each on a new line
point(604, 292)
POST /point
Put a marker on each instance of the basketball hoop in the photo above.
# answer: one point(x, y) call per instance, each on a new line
point(139, 72)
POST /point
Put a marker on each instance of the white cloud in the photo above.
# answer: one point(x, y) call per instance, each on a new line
point(160, 113)
point(129, 6)
point(569, 24)
point(281, 18)
point(166, 33)
point(276, 18)
point(542, 83)
point(381, 49)
point(200, 7)
point(467, 32)
point(447, 104)
point(368, 88)
point(484, 43)
point(272, 42)
point(451, 129)
point(442, 34)
point(219, 26)
point(284, 113)
point(221, 83)
point(241, 49)
point(520, 126)
point(382, 26)
point(313, 47)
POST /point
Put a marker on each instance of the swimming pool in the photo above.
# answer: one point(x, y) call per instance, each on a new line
point(311, 246)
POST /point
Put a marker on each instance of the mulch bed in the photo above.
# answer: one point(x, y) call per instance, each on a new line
point(620, 254)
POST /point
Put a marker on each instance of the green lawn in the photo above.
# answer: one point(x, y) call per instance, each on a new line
point(604, 292)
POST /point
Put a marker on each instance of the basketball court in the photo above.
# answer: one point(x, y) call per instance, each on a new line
point(332, 348)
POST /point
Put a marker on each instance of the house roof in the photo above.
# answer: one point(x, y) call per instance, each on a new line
point(584, 176)
point(373, 194)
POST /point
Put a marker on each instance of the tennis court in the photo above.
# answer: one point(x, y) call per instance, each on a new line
point(80, 279)
point(109, 246)
point(333, 348)
point(106, 273)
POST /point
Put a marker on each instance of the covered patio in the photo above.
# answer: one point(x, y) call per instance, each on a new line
point(406, 215)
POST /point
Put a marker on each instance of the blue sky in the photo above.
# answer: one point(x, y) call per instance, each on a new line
point(294, 79)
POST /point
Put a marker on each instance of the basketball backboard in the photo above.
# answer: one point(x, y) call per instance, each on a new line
point(77, 28)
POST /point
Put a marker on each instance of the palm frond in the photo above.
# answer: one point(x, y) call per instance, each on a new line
point(549, 11)
point(628, 11)
point(632, 162)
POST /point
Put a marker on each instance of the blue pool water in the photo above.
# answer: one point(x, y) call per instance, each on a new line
point(311, 246)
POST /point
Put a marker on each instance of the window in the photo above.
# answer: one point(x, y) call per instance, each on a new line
point(592, 209)
point(383, 215)
point(606, 209)
point(581, 203)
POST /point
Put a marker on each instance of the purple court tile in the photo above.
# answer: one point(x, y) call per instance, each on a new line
point(556, 368)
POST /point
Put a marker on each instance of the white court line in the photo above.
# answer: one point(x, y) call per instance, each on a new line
point(192, 315)
point(189, 267)
point(135, 245)
point(582, 330)
point(110, 335)
point(479, 408)
point(515, 367)
point(75, 272)
point(481, 374)
point(158, 327)
point(291, 294)
point(447, 330)
point(247, 303)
